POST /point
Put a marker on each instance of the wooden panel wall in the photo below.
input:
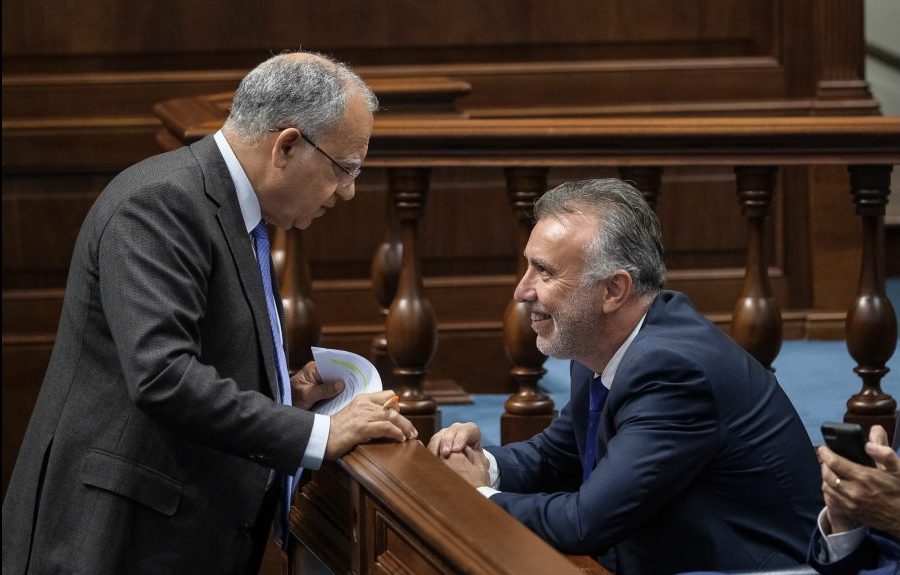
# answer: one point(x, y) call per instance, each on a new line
point(80, 78)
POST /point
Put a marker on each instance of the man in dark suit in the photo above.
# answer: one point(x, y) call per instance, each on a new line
point(167, 426)
point(677, 447)
point(859, 530)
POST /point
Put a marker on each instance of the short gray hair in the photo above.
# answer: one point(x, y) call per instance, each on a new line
point(285, 91)
point(627, 236)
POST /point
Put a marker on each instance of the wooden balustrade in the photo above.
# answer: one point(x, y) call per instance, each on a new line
point(640, 148)
point(411, 325)
point(871, 321)
point(386, 265)
point(527, 411)
point(302, 325)
point(756, 323)
point(753, 147)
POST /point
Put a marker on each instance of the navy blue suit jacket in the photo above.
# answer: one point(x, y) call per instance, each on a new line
point(703, 462)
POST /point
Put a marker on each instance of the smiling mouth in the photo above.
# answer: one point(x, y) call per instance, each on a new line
point(539, 320)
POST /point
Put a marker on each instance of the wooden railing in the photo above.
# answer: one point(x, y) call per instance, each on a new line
point(395, 508)
point(640, 149)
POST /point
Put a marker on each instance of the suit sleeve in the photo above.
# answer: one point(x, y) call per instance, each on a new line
point(154, 261)
point(863, 556)
point(662, 433)
point(547, 462)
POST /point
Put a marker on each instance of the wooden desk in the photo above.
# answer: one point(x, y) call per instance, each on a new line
point(395, 508)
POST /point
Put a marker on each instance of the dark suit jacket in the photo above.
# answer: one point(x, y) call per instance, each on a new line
point(703, 462)
point(155, 431)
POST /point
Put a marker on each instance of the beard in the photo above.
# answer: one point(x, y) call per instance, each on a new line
point(576, 326)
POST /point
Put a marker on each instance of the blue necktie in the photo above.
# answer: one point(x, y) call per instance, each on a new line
point(598, 393)
point(261, 240)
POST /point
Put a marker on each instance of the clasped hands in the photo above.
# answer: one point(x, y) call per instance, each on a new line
point(368, 416)
point(864, 495)
point(459, 446)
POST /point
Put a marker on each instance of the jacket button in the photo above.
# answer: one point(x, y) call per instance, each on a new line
point(246, 528)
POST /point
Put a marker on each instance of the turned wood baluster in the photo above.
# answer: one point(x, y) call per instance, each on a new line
point(647, 180)
point(756, 320)
point(385, 274)
point(411, 325)
point(871, 322)
point(528, 411)
point(301, 319)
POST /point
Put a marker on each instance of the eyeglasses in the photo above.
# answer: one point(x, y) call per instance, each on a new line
point(346, 176)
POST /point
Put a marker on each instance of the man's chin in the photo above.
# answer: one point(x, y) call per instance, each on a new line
point(546, 347)
point(303, 223)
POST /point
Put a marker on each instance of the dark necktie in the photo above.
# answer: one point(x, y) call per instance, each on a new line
point(598, 393)
point(261, 240)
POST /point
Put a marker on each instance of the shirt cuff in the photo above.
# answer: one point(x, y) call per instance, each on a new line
point(839, 545)
point(318, 440)
point(493, 471)
point(487, 491)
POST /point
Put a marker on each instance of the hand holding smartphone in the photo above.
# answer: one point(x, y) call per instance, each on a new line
point(848, 441)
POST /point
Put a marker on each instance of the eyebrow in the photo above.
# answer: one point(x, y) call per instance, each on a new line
point(535, 262)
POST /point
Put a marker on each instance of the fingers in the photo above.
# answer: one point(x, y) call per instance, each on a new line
point(434, 445)
point(475, 457)
point(878, 435)
point(325, 390)
point(885, 458)
point(405, 426)
point(454, 439)
point(363, 420)
point(378, 397)
point(838, 465)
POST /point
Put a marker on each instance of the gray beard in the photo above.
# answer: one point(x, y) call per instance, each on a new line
point(575, 329)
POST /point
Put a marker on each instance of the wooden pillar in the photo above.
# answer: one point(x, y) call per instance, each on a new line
point(839, 49)
point(871, 322)
point(301, 319)
point(411, 325)
point(756, 320)
point(385, 274)
point(528, 411)
point(647, 180)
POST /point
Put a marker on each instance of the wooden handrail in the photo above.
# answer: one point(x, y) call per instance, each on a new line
point(636, 141)
point(403, 506)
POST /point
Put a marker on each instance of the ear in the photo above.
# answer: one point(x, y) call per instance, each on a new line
point(286, 143)
point(617, 292)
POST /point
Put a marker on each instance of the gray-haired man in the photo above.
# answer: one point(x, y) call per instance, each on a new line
point(167, 421)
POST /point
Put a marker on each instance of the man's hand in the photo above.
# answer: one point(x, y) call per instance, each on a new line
point(454, 439)
point(864, 495)
point(368, 416)
point(307, 387)
point(471, 465)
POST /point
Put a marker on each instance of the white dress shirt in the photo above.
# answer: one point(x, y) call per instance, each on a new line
point(606, 378)
point(250, 210)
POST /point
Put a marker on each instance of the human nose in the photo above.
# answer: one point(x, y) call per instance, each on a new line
point(525, 290)
point(347, 192)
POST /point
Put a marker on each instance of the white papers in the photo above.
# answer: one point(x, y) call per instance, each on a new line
point(357, 372)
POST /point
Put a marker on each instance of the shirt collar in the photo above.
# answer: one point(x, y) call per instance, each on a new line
point(609, 372)
point(246, 196)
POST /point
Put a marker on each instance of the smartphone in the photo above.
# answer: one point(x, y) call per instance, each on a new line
point(848, 441)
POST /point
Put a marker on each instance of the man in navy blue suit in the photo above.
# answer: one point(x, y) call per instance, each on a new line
point(859, 530)
point(677, 448)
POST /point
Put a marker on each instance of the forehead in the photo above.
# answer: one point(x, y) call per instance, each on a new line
point(561, 239)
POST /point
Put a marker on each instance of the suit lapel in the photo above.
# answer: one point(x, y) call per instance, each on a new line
point(220, 189)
